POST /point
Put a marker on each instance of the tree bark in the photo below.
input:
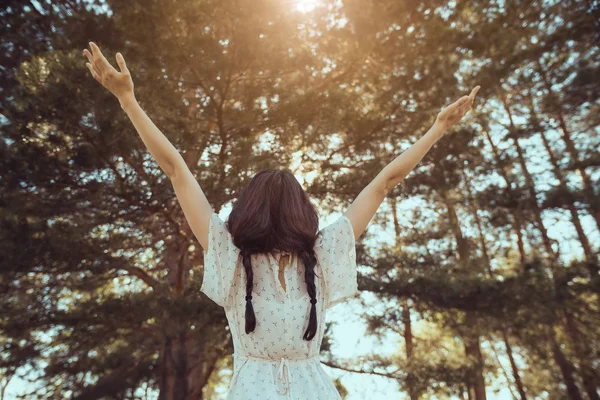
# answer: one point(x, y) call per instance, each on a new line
point(517, 213)
point(408, 334)
point(513, 366)
point(585, 244)
point(530, 185)
point(565, 366)
point(174, 382)
point(588, 188)
point(590, 379)
point(486, 259)
point(475, 381)
point(561, 360)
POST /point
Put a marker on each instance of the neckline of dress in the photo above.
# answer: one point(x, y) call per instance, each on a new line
point(276, 255)
point(280, 253)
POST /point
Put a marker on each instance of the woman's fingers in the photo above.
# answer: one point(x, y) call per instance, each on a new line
point(91, 60)
point(457, 104)
point(121, 62)
point(460, 102)
point(457, 110)
point(102, 63)
point(469, 103)
point(472, 95)
point(466, 107)
point(474, 92)
point(90, 65)
point(89, 56)
point(96, 58)
point(465, 102)
point(94, 73)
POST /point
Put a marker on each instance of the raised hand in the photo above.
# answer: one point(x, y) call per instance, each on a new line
point(118, 83)
point(455, 111)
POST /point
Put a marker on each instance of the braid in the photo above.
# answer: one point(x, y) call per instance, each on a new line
point(310, 260)
point(250, 317)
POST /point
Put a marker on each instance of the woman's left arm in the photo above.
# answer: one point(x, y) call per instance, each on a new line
point(362, 209)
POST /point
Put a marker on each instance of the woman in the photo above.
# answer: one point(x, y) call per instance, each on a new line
point(274, 276)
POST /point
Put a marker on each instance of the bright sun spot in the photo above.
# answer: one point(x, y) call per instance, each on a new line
point(306, 5)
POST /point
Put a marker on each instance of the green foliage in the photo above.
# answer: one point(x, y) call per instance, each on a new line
point(495, 234)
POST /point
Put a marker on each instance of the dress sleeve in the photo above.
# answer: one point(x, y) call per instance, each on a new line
point(336, 250)
point(220, 262)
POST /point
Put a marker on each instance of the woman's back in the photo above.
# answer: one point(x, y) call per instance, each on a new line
point(274, 361)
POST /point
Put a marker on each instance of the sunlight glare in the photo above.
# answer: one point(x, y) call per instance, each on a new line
point(305, 6)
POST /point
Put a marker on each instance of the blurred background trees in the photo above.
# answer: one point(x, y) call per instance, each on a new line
point(483, 263)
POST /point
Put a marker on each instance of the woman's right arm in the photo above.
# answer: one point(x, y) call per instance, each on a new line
point(190, 195)
point(120, 84)
point(365, 205)
point(165, 154)
point(192, 200)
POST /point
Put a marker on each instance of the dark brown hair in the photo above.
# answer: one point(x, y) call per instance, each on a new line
point(273, 212)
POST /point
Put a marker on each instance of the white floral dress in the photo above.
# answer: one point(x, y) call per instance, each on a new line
point(274, 361)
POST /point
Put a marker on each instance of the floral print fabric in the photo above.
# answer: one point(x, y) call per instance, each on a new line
point(274, 361)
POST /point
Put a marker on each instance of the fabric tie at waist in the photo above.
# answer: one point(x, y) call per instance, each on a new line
point(282, 379)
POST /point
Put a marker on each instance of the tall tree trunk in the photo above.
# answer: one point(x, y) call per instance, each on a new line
point(185, 361)
point(585, 244)
point(173, 380)
point(516, 213)
point(588, 188)
point(174, 352)
point(590, 379)
point(530, 185)
point(563, 363)
point(513, 366)
point(476, 381)
point(565, 366)
point(408, 334)
point(408, 342)
point(473, 352)
point(487, 263)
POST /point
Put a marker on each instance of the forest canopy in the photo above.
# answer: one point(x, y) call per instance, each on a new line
point(482, 266)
